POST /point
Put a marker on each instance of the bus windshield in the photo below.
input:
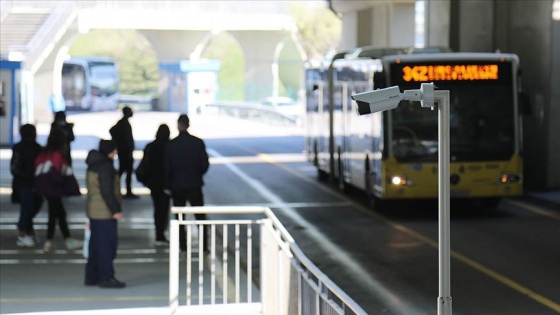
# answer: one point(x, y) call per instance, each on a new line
point(481, 122)
point(104, 79)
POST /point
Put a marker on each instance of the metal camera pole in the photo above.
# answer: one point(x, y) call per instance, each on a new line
point(444, 299)
point(387, 99)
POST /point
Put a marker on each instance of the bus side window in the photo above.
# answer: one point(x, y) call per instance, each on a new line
point(378, 80)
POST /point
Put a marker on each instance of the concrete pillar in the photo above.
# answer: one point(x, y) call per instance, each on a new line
point(437, 23)
point(527, 29)
point(349, 38)
point(46, 80)
point(553, 180)
point(383, 24)
point(259, 49)
point(535, 37)
point(172, 46)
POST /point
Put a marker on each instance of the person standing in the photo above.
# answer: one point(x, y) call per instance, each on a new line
point(153, 179)
point(68, 128)
point(186, 161)
point(103, 209)
point(122, 136)
point(54, 179)
point(22, 167)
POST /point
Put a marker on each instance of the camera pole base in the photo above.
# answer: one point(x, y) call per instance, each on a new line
point(444, 305)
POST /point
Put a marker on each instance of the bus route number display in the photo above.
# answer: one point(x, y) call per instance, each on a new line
point(428, 73)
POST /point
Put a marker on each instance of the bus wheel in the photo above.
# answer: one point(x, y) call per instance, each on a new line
point(369, 188)
point(321, 175)
point(372, 201)
point(315, 154)
point(341, 183)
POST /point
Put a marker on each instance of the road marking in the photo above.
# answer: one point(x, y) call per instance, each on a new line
point(537, 210)
point(391, 300)
point(86, 299)
point(464, 259)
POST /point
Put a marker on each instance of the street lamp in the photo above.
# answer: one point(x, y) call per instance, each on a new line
point(389, 98)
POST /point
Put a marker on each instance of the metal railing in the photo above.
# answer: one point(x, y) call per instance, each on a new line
point(282, 282)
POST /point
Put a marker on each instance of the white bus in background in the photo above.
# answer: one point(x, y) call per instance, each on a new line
point(90, 83)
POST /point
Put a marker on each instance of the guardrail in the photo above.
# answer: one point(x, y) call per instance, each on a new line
point(288, 282)
point(248, 110)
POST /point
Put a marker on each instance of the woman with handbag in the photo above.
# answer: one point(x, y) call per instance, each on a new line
point(54, 179)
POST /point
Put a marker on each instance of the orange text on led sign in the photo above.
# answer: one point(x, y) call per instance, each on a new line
point(450, 73)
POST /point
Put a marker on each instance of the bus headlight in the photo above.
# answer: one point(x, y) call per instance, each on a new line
point(401, 181)
point(509, 178)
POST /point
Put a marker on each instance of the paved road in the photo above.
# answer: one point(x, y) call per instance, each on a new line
point(504, 261)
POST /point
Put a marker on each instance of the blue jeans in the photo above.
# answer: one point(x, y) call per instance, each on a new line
point(30, 204)
point(103, 244)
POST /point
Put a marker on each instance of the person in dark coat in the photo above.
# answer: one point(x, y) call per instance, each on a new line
point(186, 161)
point(68, 128)
point(122, 136)
point(103, 209)
point(153, 179)
point(22, 167)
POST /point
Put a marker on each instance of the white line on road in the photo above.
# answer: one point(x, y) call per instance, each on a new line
point(392, 301)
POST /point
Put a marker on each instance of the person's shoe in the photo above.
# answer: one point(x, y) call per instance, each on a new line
point(131, 196)
point(112, 283)
point(72, 244)
point(26, 241)
point(48, 247)
point(90, 283)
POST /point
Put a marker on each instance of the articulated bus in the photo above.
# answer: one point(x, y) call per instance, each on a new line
point(393, 155)
point(90, 83)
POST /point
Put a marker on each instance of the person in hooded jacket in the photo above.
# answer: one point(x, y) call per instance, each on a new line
point(104, 209)
point(153, 179)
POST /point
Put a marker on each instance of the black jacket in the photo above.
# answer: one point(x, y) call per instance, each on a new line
point(186, 161)
point(153, 157)
point(121, 133)
point(22, 164)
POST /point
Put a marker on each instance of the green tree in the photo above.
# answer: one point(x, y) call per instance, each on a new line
point(318, 28)
point(231, 79)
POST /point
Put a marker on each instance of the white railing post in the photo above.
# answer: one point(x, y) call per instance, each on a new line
point(173, 265)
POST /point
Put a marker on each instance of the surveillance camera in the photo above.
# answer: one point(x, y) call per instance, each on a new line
point(377, 100)
point(427, 90)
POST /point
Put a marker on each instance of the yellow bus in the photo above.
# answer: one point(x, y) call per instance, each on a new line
point(393, 155)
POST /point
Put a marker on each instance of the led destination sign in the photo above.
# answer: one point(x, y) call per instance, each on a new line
point(450, 72)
